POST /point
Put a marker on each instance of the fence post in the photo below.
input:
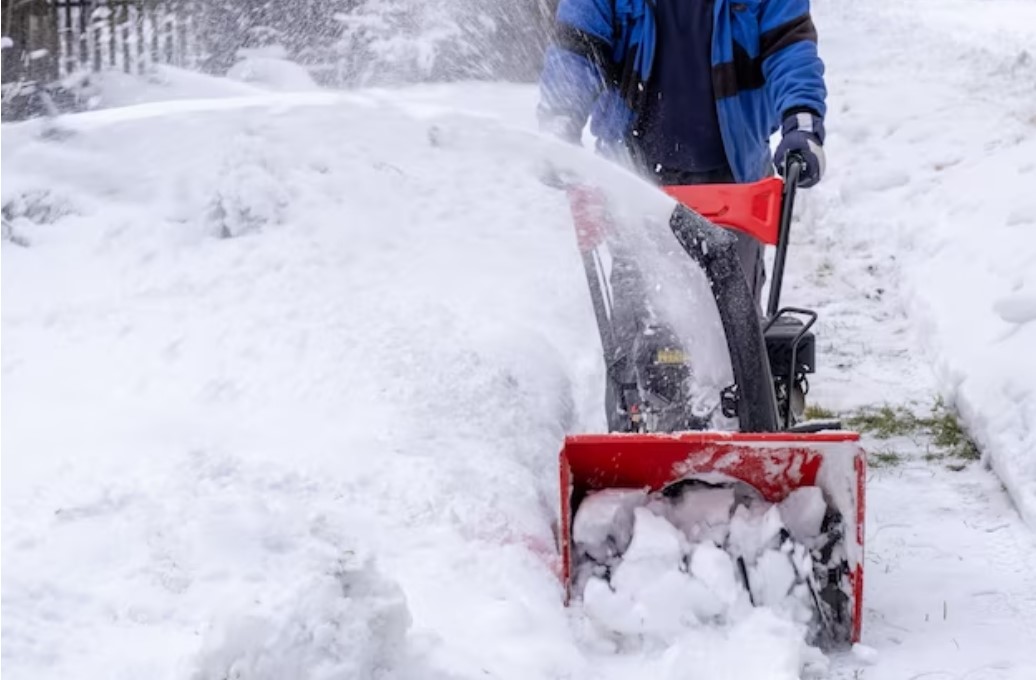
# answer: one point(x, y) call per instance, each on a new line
point(43, 48)
point(53, 39)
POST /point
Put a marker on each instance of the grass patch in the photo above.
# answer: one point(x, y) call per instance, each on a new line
point(942, 426)
point(814, 412)
point(884, 422)
point(947, 433)
point(884, 459)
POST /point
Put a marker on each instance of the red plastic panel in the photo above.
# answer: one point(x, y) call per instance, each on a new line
point(636, 461)
point(753, 208)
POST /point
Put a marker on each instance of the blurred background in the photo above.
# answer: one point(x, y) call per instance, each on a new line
point(54, 50)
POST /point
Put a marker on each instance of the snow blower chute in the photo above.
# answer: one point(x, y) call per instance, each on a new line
point(774, 453)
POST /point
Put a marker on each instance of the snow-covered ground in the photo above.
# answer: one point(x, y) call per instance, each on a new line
point(203, 431)
point(915, 250)
point(325, 446)
point(933, 150)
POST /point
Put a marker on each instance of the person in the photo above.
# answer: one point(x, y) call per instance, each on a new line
point(687, 92)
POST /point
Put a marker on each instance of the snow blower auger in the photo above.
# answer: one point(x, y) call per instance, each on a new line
point(802, 480)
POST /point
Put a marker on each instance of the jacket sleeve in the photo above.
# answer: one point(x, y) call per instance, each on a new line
point(576, 65)
point(792, 68)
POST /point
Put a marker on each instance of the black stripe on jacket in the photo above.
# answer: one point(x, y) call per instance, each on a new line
point(596, 50)
point(745, 72)
point(776, 39)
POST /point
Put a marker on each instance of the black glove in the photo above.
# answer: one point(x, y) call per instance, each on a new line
point(803, 134)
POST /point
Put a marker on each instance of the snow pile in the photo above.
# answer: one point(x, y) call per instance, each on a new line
point(270, 68)
point(321, 325)
point(651, 567)
point(349, 624)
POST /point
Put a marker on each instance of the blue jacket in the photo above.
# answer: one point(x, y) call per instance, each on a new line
point(764, 67)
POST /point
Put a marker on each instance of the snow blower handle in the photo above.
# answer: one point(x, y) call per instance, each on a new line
point(793, 165)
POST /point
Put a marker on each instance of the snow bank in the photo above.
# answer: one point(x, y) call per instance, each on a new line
point(242, 345)
point(942, 193)
point(249, 341)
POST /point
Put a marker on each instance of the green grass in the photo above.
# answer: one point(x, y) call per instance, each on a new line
point(884, 459)
point(884, 422)
point(815, 412)
point(947, 433)
point(942, 426)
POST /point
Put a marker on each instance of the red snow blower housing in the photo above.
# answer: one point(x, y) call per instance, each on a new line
point(774, 450)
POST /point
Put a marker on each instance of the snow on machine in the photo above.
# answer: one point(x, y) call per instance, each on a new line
point(782, 496)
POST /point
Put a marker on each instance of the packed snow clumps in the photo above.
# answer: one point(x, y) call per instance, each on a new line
point(652, 566)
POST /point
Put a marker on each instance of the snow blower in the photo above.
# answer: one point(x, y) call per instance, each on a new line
point(774, 451)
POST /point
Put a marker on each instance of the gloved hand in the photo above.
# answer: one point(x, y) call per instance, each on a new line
point(803, 133)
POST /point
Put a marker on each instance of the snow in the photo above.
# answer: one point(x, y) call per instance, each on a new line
point(1017, 309)
point(802, 511)
point(753, 528)
point(163, 83)
point(703, 514)
point(649, 592)
point(934, 169)
point(771, 579)
point(866, 654)
point(209, 441)
point(307, 338)
point(665, 587)
point(227, 419)
point(679, 573)
point(270, 69)
point(316, 632)
point(905, 279)
point(713, 567)
point(603, 525)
